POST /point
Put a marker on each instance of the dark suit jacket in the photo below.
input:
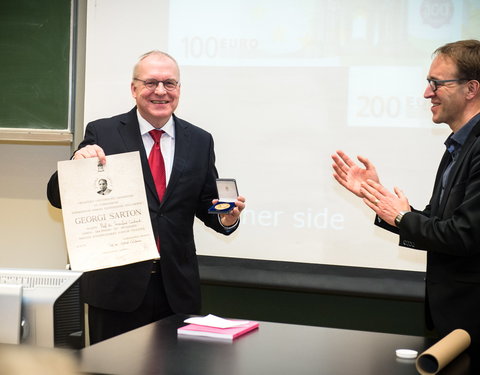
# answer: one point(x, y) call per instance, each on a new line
point(189, 193)
point(450, 232)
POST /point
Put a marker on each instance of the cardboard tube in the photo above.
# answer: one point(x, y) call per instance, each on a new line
point(443, 352)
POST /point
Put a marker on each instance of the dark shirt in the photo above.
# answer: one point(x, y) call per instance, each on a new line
point(454, 144)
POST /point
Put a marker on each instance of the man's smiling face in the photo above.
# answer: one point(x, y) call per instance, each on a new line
point(156, 106)
point(449, 100)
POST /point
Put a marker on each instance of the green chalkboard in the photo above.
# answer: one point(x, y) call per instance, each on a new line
point(34, 63)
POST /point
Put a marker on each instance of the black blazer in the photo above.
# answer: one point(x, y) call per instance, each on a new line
point(450, 232)
point(189, 193)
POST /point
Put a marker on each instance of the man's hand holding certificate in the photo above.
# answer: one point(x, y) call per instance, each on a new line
point(105, 212)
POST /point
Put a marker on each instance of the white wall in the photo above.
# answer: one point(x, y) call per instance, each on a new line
point(31, 232)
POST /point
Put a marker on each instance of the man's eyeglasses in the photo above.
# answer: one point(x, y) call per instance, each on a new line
point(152, 84)
point(436, 83)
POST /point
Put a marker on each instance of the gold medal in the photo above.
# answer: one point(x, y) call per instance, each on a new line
point(222, 206)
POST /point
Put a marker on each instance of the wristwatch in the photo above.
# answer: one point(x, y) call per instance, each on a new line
point(399, 217)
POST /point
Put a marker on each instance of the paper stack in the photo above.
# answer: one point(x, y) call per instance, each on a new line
point(213, 326)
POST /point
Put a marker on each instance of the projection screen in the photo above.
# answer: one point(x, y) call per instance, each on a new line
point(281, 85)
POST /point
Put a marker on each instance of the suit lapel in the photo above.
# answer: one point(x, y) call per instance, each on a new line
point(435, 201)
point(180, 160)
point(130, 133)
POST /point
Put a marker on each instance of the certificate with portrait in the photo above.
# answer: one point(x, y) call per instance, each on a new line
point(105, 212)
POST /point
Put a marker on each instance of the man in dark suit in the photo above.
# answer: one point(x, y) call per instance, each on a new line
point(123, 298)
point(449, 227)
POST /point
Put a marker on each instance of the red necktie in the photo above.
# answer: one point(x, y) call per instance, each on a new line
point(157, 166)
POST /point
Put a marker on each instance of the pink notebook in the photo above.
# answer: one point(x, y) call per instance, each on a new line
point(220, 333)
